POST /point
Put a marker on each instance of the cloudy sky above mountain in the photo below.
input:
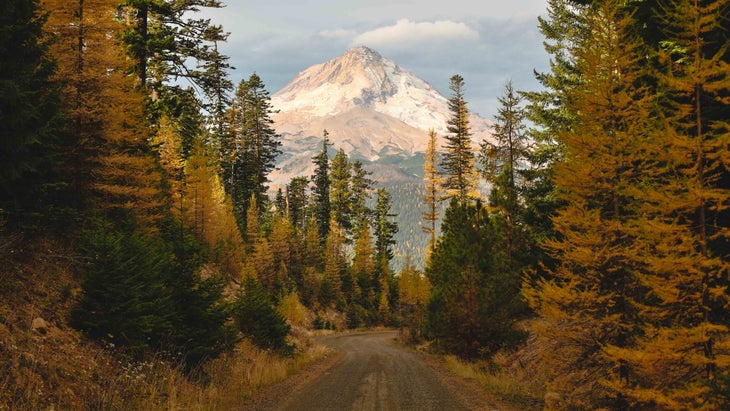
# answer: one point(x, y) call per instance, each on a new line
point(487, 42)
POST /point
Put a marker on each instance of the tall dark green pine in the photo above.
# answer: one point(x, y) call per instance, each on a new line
point(471, 311)
point(341, 193)
point(296, 197)
point(164, 42)
point(250, 151)
point(29, 107)
point(361, 186)
point(321, 192)
point(503, 162)
point(125, 299)
point(563, 27)
point(458, 162)
point(384, 230)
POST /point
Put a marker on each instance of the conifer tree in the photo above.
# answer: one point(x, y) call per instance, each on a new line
point(258, 319)
point(458, 162)
point(210, 213)
point(296, 198)
point(385, 229)
point(363, 265)
point(252, 147)
point(361, 186)
point(589, 300)
point(686, 278)
point(503, 162)
point(432, 198)
point(29, 118)
point(340, 192)
point(414, 291)
point(335, 265)
point(471, 311)
point(163, 41)
point(321, 192)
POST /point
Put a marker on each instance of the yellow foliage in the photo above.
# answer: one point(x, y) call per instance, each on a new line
point(292, 309)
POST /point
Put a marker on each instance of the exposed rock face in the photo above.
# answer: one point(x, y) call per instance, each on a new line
point(372, 108)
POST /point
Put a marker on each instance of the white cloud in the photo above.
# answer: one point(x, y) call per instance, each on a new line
point(406, 33)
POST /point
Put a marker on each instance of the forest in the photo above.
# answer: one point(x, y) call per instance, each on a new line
point(599, 254)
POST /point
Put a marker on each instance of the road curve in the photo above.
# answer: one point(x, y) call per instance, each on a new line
point(375, 374)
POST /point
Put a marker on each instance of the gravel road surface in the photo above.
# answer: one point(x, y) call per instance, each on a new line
point(370, 372)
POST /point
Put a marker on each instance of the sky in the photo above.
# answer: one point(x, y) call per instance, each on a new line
point(487, 42)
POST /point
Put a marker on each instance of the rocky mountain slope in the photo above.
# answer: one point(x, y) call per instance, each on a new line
point(372, 108)
point(377, 112)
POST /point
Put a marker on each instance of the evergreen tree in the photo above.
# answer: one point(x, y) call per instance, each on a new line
point(432, 198)
point(29, 106)
point(361, 185)
point(471, 311)
point(589, 300)
point(458, 160)
point(321, 192)
point(257, 318)
point(340, 192)
point(503, 162)
point(164, 41)
point(125, 299)
point(200, 315)
point(253, 145)
point(335, 266)
point(385, 230)
point(296, 198)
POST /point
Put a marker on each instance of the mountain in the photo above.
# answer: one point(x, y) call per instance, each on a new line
point(378, 113)
point(372, 108)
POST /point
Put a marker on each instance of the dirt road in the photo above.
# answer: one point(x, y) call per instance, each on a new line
point(371, 373)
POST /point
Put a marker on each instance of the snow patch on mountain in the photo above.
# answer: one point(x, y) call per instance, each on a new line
point(371, 107)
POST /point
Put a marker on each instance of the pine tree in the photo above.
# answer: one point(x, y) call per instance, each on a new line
point(503, 162)
point(458, 160)
point(321, 192)
point(29, 106)
point(125, 299)
point(164, 41)
point(363, 266)
point(253, 145)
point(335, 265)
point(685, 309)
point(432, 198)
point(296, 199)
point(589, 300)
point(361, 186)
point(341, 193)
point(258, 319)
point(471, 311)
point(385, 228)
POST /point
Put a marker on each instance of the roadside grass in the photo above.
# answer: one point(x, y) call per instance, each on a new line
point(56, 367)
point(229, 380)
point(515, 385)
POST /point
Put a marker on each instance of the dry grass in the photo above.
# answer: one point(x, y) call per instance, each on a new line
point(514, 384)
point(230, 380)
point(60, 369)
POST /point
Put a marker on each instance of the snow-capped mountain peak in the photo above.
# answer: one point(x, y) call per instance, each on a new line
point(371, 107)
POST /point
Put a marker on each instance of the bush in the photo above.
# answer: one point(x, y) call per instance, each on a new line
point(125, 300)
point(258, 319)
